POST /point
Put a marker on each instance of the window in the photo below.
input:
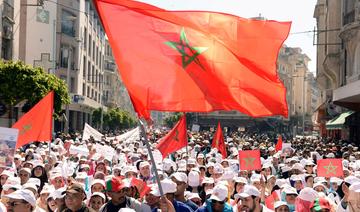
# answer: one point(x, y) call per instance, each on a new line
point(92, 75)
point(85, 38)
point(93, 50)
point(64, 56)
point(89, 52)
point(88, 92)
point(89, 70)
point(97, 55)
point(68, 23)
point(84, 89)
point(72, 85)
point(84, 67)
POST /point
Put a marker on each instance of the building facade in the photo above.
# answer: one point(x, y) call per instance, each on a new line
point(338, 54)
point(65, 38)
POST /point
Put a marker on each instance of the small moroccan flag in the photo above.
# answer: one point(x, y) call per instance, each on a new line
point(218, 141)
point(278, 146)
point(175, 139)
point(36, 124)
point(250, 160)
point(330, 168)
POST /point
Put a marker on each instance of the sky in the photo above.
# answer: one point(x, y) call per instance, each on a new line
point(299, 12)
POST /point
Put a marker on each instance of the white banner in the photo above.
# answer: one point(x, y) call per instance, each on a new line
point(8, 138)
point(195, 128)
point(106, 151)
point(89, 131)
point(81, 150)
point(127, 137)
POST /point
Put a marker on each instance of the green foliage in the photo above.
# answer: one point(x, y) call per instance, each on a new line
point(21, 82)
point(170, 121)
point(114, 119)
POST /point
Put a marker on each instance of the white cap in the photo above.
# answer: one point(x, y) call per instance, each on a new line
point(351, 179)
point(81, 175)
point(23, 194)
point(228, 175)
point(194, 179)
point(47, 189)
point(98, 181)
point(12, 182)
point(7, 173)
point(319, 184)
point(193, 196)
point(249, 190)
point(35, 181)
point(297, 166)
point(290, 190)
point(219, 193)
point(330, 155)
point(25, 169)
point(168, 186)
point(241, 180)
point(143, 164)
point(30, 186)
point(218, 169)
point(308, 194)
point(279, 203)
point(355, 187)
point(98, 194)
point(180, 176)
point(208, 180)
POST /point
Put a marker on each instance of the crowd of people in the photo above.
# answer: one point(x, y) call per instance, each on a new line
point(50, 177)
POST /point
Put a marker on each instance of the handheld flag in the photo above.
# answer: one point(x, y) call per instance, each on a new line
point(218, 141)
point(250, 160)
point(278, 146)
point(175, 139)
point(330, 168)
point(36, 124)
point(141, 186)
point(195, 61)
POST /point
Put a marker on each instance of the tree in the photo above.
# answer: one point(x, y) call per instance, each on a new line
point(20, 82)
point(114, 119)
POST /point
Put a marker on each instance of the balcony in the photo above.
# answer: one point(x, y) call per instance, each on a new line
point(8, 12)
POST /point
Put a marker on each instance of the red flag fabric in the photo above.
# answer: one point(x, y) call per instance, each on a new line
point(36, 124)
point(175, 139)
point(278, 146)
point(250, 160)
point(142, 187)
point(195, 61)
point(218, 141)
point(330, 168)
point(271, 199)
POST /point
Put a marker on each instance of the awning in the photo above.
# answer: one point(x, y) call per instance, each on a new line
point(338, 122)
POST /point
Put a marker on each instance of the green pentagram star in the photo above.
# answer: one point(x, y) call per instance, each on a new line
point(249, 160)
point(183, 45)
point(330, 168)
point(25, 128)
point(176, 138)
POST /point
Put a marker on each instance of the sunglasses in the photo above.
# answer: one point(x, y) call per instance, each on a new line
point(218, 202)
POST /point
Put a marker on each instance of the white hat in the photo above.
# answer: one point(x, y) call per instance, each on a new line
point(143, 164)
point(279, 203)
point(47, 189)
point(290, 190)
point(98, 181)
point(351, 179)
point(26, 170)
point(228, 175)
point(193, 196)
point(7, 173)
point(218, 169)
point(241, 180)
point(271, 149)
point(255, 178)
point(191, 161)
point(297, 166)
point(296, 178)
point(330, 155)
point(81, 175)
point(180, 176)
point(249, 190)
point(308, 194)
point(355, 187)
point(168, 186)
point(58, 194)
point(220, 192)
point(35, 181)
point(12, 182)
point(208, 180)
point(30, 186)
point(23, 194)
point(319, 184)
point(194, 179)
point(98, 194)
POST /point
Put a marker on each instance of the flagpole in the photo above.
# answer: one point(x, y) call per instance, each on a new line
point(142, 126)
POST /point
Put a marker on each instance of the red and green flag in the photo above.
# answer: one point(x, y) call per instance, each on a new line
point(330, 168)
point(249, 160)
point(219, 142)
point(175, 139)
point(141, 186)
point(278, 146)
point(195, 61)
point(36, 124)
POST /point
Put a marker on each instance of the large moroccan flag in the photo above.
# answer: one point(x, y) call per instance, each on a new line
point(36, 124)
point(218, 141)
point(195, 61)
point(330, 168)
point(175, 139)
point(249, 160)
